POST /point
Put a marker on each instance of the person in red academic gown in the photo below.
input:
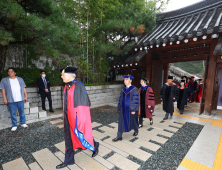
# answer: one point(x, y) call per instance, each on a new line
point(146, 102)
point(200, 90)
point(76, 118)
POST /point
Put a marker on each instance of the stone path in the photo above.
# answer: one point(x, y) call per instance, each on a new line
point(135, 153)
point(111, 154)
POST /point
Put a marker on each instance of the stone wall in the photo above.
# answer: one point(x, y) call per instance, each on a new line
point(99, 96)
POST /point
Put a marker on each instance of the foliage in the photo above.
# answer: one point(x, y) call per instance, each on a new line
point(193, 67)
point(41, 24)
point(106, 26)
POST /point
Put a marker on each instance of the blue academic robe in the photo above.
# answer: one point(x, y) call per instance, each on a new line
point(128, 102)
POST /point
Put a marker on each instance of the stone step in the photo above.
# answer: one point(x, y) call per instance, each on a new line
point(86, 162)
point(42, 113)
point(47, 160)
point(33, 109)
point(61, 156)
point(122, 162)
point(99, 159)
point(34, 166)
point(138, 153)
point(15, 164)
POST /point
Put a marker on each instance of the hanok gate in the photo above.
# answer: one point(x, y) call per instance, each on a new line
point(188, 34)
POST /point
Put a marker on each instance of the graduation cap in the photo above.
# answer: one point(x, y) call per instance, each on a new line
point(200, 79)
point(170, 77)
point(128, 77)
point(144, 79)
point(184, 77)
point(68, 69)
point(183, 81)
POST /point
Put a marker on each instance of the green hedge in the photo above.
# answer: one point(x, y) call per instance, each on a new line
point(30, 76)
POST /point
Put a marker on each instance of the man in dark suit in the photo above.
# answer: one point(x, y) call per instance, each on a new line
point(44, 90)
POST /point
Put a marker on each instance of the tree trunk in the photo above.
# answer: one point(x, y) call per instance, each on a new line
point(2, 59)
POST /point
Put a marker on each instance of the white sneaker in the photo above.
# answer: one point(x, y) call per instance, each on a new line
point(14, 129)
point(24, 125)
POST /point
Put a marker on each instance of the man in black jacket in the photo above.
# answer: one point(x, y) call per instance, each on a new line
point(44, 90)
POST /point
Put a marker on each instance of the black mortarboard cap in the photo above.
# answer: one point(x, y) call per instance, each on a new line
point(68, 69)
point(200, 79)
point(183, 81)
point(184, 77)
point(170, 77)
point(144, 79)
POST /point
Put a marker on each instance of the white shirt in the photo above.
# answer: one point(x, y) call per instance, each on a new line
point(16, 90)
point(128, 86)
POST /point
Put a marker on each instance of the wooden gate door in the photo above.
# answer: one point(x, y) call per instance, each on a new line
point(137, 75)
point(156, 84)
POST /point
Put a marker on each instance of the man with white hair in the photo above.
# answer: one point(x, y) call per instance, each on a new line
point(76, 117)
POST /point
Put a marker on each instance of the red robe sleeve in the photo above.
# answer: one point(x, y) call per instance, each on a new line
point(150, 100)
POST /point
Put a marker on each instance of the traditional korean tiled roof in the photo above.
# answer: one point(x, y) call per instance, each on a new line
point(178, 73)
point(202, 19)
point(129, 59)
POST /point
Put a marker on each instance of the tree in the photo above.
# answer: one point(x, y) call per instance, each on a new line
point(106, 26)
point(40, 23)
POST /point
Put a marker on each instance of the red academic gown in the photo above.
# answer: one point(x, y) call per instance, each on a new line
point(149, 101)
point(79, 126)
point(196, 95)
point(200, 92)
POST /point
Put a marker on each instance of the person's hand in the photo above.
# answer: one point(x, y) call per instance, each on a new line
point(5, 101)
point(26, 99)
point(161, 99)
point(133, 113)
point(46, 90)
point(188, 99)
point(149, 106)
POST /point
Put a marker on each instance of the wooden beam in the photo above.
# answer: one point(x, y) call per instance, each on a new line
point(149, 66)
point(166, 69)
point(210, 79)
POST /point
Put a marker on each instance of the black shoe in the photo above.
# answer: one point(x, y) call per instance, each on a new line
point(151, 122)
point(63, 165)
point(116, 139)
point(135, 134)
point(96, 150)
point(44, 109)
point(51, 110)
point(140, 126)
point(181, 113)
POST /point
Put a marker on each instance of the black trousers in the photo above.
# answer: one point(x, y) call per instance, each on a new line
point(141, 120)
point(43, 96)
point(69, 155)
point(193, 97)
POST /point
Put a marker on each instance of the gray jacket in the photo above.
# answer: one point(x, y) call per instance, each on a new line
point(5, 84)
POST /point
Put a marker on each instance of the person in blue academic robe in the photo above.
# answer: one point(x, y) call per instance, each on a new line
point(128, 106)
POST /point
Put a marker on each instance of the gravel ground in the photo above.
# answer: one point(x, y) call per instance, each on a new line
point(40, 135)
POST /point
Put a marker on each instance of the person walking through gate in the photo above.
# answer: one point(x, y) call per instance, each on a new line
point(128, 106)
point(146, 102)
point(14, 94)
point(76, 117)
point(44, 90)
point(183, 96)
point(185, 78)
point(168, 94)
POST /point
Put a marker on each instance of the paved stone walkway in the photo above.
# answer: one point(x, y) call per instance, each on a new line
point(205, 152)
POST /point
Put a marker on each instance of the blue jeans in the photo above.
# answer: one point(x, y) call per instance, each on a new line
point(13, 108)
point(167, 115)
